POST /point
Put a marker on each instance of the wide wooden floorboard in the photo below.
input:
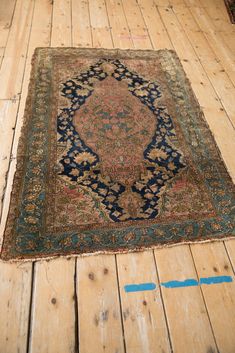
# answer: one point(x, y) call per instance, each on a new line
point(217, 118)
point(99, 318)
point(145, 326)
point(53, 308)
point(15, 294)
point(6, 10)
point(210, 63)
point(72, 306)
point(12, 68)
point(81, 28)
point(189, 324)
point(219, 298)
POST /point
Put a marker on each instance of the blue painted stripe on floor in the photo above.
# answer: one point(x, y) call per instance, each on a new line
point(175, 284)
point(139, 287)
point(178, 284)
point(216, 280)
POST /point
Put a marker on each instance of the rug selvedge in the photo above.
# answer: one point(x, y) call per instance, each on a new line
point(127, 229)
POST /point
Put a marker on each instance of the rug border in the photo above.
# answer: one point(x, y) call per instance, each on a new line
point(114, 252)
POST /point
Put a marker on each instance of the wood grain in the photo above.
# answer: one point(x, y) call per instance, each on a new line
point(52, 322)
point(212, 260)
point(12, 68)
point(100, 24)
point(186, 312)
point(81, 28)
point(15, 291)
point(145, 326)
point(100, 327)
point(6, 13)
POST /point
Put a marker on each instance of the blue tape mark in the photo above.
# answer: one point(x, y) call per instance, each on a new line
point(175, 284)
point(215, 280)
point(178, 284)
point(139, 287)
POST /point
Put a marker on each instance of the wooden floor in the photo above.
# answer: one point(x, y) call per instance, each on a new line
point(79, 305)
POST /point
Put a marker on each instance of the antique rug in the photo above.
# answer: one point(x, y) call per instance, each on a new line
point(115, 156)
point(230, 5)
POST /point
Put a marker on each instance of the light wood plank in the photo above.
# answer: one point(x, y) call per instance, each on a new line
point(162, 2)
point(214, 70)
point(53, 310)
point(196, 3)
point(100, 328)
point(228, 39)
point(119, 27)
point(1, 55)
point(219, 17)
point(12, 68)
point(212, 260)
point(6, 192)
point(205, 4)
point(209, 3)
point(81, 28)
point(209, 101)
point(222, 24)
point(143, 315)
point(100, 25)
point(61, 23)
point(216, 42)
point(156, 29)
point(15, 290)
point(136, 24)
point(230, 246)
point(174, 3)
point(6, 13)
point(8, 113)
point(186, 312)
point(40, 35)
